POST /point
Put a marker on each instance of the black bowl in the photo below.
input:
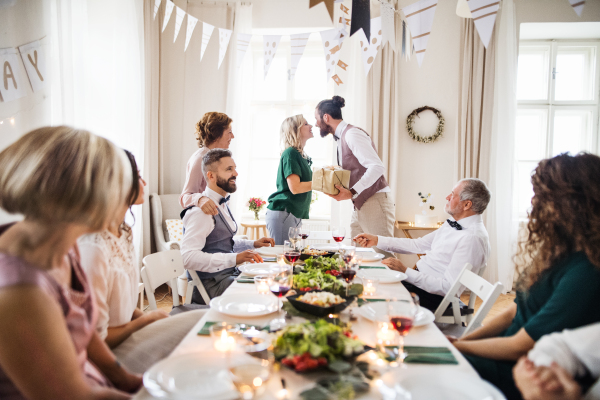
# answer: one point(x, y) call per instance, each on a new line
point(307, 256)
point(316, 310)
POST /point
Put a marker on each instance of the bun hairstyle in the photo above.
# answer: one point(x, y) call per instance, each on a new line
point(332, 107)
point(211, 127)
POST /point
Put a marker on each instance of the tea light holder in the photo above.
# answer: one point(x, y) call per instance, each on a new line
point(224, 336)
point(386, 336)
point(263, 284)
point(369, 286)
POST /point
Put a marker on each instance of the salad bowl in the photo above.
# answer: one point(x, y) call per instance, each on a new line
point(318, 310)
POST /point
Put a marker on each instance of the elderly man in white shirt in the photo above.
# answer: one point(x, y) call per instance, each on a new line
point(460, 240)
point(208, 245)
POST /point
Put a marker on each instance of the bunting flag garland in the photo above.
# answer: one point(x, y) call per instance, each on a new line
point(371, 47)
point(179, 14)
point(32, 55)
point(462, 9)
point(207, 30)
point(224, 37)
point(156, 7)
point(11, 86)
point(577, 6)
point(484, 15)
point(191, 24)
point(243, 41)
point(168, 12)
point(387, 25)
point(328, 4)
point(406, 46)
point(344, 21)
point(342, 65)
point(331, 46)
point(419, 17)
point(298, 43)
point(271, 42)
point(344, 8)
point(337, 79)
point(361, 17)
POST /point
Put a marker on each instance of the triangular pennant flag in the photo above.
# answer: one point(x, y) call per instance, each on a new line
point(179, 14)
point(388, 30)
point(191, 24)
point(331, 45)
point(271, 42)
point(298, 43)
point(405, 42)
point(419, 17)
point(156, 7)
point(328, 4)
point(243, 41)
point(484, 15)
point(168, 11)
point(370, 47)
point(577, 6)
point(224, 37)
point(361, 17)
point(463, 10)
point(207, 30)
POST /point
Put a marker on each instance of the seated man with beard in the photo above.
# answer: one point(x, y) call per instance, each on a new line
point(208, 245)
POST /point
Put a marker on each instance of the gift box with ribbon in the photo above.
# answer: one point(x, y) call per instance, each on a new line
point(325, 178)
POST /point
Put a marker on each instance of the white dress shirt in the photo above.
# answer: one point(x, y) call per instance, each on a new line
point(446, 250)
point(197, 227)
point(360, 144)
point(576, 350)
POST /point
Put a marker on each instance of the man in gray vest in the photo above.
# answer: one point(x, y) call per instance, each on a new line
point(208, 247)
point(374, 208)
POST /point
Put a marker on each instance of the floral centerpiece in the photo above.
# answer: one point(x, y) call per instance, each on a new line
point(425, 219)
point(255, 204)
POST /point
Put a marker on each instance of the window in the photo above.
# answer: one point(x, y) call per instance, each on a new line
point(557, 93)
point(276, 98)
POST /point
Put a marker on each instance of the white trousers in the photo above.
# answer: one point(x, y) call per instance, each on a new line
point(376, 217)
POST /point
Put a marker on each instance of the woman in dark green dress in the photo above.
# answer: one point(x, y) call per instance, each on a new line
point(289, 205)
point(559, 261)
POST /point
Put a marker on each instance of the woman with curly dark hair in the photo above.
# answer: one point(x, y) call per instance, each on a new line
point(559, 261)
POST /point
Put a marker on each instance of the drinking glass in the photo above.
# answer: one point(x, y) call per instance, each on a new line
point(250, 377)
point(304, 233)
point(291, 253)
point(282, 281)
point(338, 233)
point(263, 284)
point(294, 236)
point(348, 253)
point(348, 272)
point(401, 315)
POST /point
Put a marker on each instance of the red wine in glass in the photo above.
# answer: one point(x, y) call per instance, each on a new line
point(338, 238)
point(402, 324)
point(304, 236)
point(292, 256)
point(348, 274)
point(279, 290)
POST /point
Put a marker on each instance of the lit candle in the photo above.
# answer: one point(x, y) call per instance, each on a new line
point(263, 283)
point(225, 343)
point(369, 289)
point(386, 335)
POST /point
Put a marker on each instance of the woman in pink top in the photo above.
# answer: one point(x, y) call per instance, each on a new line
point(66, 182)
point(213, 131)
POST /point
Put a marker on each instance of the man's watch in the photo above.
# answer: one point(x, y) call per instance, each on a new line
point(354, 194)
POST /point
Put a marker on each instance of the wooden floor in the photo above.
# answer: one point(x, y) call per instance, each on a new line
point(164, 301)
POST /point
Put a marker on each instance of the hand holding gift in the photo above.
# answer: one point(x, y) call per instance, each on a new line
point(325, 179)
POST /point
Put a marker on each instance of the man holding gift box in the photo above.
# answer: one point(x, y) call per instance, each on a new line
point(374, 209)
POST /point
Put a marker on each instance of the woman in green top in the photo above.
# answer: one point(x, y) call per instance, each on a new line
point(291, 202)
point(559, 286)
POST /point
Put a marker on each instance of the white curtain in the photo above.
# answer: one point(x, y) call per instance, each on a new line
point(98, 73)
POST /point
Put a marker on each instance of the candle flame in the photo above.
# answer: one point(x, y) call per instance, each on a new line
point(257, 382)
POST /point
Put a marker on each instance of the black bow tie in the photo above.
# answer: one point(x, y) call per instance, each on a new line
point(224, 200)
point(454, 224)
point(335, 137)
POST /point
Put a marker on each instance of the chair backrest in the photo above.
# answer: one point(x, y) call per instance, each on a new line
point(159, 268)
point(163, 207)
point(473, 296)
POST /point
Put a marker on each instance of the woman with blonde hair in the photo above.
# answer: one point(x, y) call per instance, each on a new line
point(66, 182)
point(213, 131)
point(291, 202)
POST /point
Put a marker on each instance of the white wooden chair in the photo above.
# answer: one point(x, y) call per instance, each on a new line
point(479, 287)
point(167, 266)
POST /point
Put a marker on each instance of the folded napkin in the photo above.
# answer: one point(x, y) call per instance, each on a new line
point(365, 301)
point(269, 259)
point(245, 279)
point(205, 329)
point(424, 355)
point(370, 267)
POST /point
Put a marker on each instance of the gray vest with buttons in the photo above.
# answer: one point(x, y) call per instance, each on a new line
point(220, 240)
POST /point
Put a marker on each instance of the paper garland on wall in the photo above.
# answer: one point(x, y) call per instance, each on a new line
point(297, 45)
point(179, 14)
point(361, 17)
point(224, 37)
point(11, 86)
point(271, 42)
point(577, 6)
point(484, 15)
point(243, 41)
point(419, 17)
point(168, 12)
point(388, 28)
point(331, 46)
point(191, 24)
point(370, 48)
point(328, 4)
point(207, 30)
point(32, 55)
point(156, 7)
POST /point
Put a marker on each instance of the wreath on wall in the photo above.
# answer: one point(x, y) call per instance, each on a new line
point(425, 139)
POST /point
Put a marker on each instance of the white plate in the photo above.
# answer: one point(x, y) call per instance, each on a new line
point(270, 251)
point(326, 247)
point(383, 275)
point(190, 376)
point(246, 304)
point(369, 257)
point(254, 269)
point(377, 311)
point(413, 384)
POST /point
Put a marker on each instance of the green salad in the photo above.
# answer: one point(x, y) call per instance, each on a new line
point(316, 280)
point(323, 264)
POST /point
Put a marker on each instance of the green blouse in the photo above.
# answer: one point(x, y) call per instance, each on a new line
point(283, 199)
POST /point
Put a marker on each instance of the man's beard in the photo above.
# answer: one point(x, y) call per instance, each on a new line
point(324, 129)
point(448, 210)
point(227, 185)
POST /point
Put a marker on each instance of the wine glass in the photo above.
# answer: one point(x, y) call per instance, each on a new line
point(338, 233)
point(348, 272)
point(251, 376)
point(294, 236)
point(348, 253)
point(304, 233)
point(281, 283)
point(291, 253)
point(401, 315)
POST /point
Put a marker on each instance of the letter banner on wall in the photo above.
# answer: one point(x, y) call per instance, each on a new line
point(484, 15)
point(298, 43)
point(32, 55)
point(419, 17)
point(12, 85)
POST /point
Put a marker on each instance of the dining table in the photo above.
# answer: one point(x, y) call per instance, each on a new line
point(461, 373)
